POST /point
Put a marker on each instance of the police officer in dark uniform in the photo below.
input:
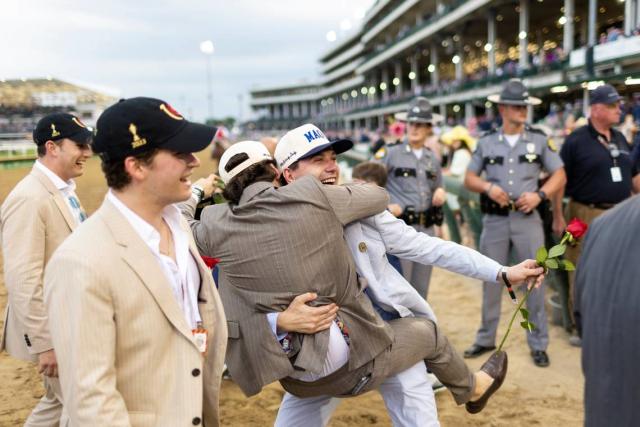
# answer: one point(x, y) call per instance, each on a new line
point(512, 158)
point(415, 182)
point(599, 167)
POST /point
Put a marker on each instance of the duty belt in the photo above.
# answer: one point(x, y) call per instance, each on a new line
point(432, 216)
point(488, 206)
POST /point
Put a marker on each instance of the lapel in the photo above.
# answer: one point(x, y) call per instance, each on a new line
point(139, 257)
point(61, 204)
point(354, 235)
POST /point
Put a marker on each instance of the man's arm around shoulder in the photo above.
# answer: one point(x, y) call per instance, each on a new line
point(354, 201)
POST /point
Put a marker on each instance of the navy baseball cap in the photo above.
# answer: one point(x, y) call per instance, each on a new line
point(605, 94)
point(136, 125)
point(56, 126)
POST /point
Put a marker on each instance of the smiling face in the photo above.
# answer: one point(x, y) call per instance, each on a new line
point(168, 174)
point(322, 165)
point(67, 158)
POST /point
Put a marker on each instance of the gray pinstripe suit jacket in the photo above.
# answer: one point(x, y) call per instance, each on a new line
point(279, 243)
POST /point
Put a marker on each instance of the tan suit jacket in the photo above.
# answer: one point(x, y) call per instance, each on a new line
point(35, 220)
point(125, 351)
point(277, 244)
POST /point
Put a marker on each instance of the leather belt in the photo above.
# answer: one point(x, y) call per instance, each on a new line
point(601, 206)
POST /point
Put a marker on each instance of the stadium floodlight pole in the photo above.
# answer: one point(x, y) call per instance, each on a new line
point(207, 48)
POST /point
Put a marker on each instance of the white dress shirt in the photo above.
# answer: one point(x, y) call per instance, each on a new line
point(183, 275)
point(67, 189)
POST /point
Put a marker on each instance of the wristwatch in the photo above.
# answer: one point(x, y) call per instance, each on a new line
point(197, 193)
point(543, 195)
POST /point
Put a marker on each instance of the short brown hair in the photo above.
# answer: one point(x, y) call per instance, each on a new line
point(115, 173)
point(371, 172)
point(254, 173)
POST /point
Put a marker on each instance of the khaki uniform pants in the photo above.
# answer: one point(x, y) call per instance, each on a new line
point(586, 214)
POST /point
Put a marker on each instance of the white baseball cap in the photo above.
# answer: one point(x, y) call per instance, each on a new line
point(305, 141)
point(256, 151)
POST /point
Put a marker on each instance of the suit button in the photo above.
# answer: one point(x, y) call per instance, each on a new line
point(196, 421)
point(362, 247)
point(195, 372)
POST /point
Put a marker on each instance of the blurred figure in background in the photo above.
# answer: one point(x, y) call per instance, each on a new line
point(415, 182)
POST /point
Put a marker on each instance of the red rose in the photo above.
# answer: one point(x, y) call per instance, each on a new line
point(577, 228)
point(211, 262)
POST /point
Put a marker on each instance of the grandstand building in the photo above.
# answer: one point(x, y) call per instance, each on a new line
point(456, 52)
point(24, 101)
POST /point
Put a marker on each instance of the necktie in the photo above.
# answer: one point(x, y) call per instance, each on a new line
point(75, 203)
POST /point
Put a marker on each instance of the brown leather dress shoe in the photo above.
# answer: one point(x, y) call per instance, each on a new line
point(496, 368)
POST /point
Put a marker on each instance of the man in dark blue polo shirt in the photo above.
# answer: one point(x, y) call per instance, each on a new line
point(600, 172)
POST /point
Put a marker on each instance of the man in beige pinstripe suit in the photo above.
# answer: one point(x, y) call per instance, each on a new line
point(134, 314)
point(275, 244)
point(38, 214)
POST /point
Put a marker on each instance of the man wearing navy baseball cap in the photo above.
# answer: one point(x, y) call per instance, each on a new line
point(133, 311)
point(600, 172)
point(38, 214)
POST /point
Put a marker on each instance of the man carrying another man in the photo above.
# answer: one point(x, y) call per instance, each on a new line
point(220, 225)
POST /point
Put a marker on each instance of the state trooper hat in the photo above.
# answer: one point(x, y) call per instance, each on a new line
point(56, 126)
point(419, 111)
point(605, 94)
point(305, 141)
point(256, 152)
point(135, 125)
point(514, 93)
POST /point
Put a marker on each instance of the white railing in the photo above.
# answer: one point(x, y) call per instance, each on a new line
point(621, 48)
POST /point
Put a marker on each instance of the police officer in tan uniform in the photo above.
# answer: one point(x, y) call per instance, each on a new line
point(512, 158)
point(415, 182)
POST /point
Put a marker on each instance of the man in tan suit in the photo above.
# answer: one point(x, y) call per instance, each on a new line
point(277, 243)
point(39, 213)
point(134, 313)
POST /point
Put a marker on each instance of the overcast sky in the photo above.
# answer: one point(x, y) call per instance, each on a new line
point(151, 47)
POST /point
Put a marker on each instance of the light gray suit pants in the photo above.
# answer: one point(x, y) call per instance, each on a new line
point(408, 397)
point(499, 234)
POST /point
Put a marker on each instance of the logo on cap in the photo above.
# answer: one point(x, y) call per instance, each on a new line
point(54, 132)
point(169, 111)
point(415, 109)
point(78, 122)
point(313, 135)
point(137, 141)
